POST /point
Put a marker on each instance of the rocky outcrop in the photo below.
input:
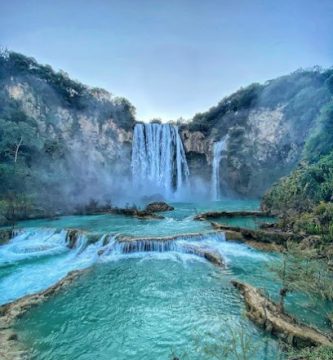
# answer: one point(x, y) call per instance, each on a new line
point(72, 238)
point(195, 142)
point(262, 137)
point(158, 207)
point(229, 214)
point(271, 239)
point(262, 125)
point(141, 214)
point(267, 315)
point(85, 136)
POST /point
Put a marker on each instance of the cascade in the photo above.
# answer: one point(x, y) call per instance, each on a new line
point(158, 159)
point(218, 147)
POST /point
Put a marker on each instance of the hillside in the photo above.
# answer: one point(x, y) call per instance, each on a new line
point(304, 198)
point(61, 142)
point(266, 127)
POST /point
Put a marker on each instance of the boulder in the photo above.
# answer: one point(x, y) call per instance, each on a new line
point(158, 206)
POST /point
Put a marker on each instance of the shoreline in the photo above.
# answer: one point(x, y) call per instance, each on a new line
point(11, 346)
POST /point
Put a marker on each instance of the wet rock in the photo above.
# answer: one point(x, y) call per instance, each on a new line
point(141, 214)
point(5, 235)
point(72, 237)
point(272, 236)
point(230, 214)
point(267, 315)
point(169, 243)
point(158, 206)
point(210, 255)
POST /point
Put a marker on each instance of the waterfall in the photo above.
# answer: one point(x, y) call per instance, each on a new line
point(158, 159)
point(218, 147)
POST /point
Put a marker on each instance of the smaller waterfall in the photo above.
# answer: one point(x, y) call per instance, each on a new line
point(218, 147)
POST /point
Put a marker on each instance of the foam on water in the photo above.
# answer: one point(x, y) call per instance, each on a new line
point(33, 242)
point(37, 258)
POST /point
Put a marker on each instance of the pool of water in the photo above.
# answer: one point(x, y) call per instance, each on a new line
point(142, 305)
point(153, 307)
point(177, 221)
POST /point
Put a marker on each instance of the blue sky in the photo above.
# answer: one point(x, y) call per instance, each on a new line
point(171, 58)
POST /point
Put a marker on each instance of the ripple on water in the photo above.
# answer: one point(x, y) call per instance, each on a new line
point(134, 309)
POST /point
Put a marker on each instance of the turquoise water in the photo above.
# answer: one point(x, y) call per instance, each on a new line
point(148, 308)
point(176, 222)
point(143, 305)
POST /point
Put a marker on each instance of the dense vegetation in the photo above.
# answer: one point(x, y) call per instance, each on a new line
point(35, 131)
point(305, 196)
point(303, 92)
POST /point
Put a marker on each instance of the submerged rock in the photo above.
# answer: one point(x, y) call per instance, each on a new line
point(158, 206)
point(209, 254)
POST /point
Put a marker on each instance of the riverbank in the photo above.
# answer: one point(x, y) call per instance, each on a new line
point(11, 347)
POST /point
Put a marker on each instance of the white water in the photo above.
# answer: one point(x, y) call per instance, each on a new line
point(218, 147)
point(158, 160)
point(36, 258)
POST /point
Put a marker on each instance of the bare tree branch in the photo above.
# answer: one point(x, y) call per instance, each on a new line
point(17, 149)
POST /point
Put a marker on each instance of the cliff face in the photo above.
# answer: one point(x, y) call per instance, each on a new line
point(256, 154)
point(62, 137)
point(265, 127)
point(72, 141)
point(100, 142)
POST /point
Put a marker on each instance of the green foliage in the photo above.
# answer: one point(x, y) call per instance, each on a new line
point(312, 353)
point(321, 143)
point(301, 271)
point(308, 185)
point(294, 91)
point(58, 87)
point(218, 117)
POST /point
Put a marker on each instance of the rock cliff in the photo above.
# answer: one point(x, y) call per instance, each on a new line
point(265, 127)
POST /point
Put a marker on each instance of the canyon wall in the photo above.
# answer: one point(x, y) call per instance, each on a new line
point(74, 142)
point(265, 127)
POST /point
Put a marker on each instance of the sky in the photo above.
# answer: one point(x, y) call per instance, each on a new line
point(171, 58)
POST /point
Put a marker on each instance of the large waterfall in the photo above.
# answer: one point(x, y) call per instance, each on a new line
point(218, 147)
point(158, 159)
